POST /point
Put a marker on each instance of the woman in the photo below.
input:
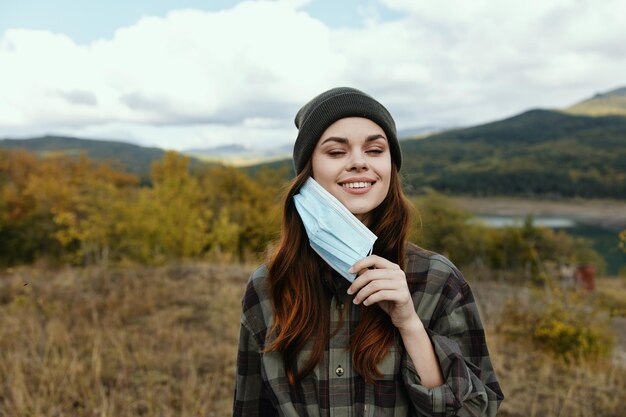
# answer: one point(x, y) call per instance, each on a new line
point(397, 332)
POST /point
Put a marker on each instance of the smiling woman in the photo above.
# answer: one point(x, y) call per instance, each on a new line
point(347, 317)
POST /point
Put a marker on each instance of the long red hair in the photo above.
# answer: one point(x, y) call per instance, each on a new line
point(299, 298)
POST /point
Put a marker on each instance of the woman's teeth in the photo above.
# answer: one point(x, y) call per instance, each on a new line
point(356, 184)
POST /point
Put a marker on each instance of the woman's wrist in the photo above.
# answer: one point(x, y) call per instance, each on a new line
point(412, 325)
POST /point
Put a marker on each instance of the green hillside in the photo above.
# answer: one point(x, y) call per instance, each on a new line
point(131, 158)
point(537, 153)
point(610, 103)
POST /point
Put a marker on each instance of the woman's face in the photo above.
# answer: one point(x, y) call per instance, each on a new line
point(352, 161)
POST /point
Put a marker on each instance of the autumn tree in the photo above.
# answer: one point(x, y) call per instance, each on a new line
point(57, 207)
point(247, 209)
point(169, 220)
point(91, 220)
point(26, 224)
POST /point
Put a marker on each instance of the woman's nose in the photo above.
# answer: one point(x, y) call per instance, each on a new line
point(358, 162)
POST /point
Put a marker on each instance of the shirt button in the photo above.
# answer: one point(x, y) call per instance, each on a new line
point(340, 306)
point(339, 371)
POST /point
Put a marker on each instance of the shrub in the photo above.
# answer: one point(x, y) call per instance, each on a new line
point(565, 323)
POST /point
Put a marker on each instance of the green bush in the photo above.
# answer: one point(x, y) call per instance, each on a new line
point(446, 228)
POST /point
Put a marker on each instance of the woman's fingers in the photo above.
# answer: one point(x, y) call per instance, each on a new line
point(377, 297)
point(376, 280)
point(368, 275)
point(378, 291)
point(373, 261)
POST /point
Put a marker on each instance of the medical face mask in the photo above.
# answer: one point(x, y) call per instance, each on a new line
point(337, 236)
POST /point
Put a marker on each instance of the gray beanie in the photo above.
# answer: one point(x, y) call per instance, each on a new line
point(337, 103)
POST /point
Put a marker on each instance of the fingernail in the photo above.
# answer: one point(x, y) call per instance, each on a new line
point(351, 270)
point(349, 290)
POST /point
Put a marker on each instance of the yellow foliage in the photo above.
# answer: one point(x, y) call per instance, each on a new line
point(179, 208)
point(59, 206)
point(78, 211)
point(251, 204)
point(566, 324)
point(224, 234)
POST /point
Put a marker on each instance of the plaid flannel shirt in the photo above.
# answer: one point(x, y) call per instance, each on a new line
point(445, 304)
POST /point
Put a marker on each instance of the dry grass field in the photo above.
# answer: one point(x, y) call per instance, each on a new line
point(147, 342)
point(162, 342)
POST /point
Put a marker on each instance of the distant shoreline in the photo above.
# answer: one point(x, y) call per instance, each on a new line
point(609, 214)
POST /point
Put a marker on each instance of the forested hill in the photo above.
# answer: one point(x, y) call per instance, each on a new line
point(538, 152)
point(131, 158)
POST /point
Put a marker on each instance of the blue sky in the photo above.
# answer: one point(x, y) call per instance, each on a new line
point(190, 74)
point(86, 21)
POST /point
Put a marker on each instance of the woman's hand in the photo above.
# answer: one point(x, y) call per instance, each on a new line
point(382, 282)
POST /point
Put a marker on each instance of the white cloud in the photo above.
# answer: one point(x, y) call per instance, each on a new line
point(195, 78)
point(496, 58)
point(189, 67)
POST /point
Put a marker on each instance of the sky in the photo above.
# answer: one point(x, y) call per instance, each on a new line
point(181, 74)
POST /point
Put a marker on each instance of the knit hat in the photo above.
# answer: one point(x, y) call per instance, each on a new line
point(337, 103)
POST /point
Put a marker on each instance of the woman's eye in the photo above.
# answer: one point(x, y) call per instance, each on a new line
point(336, 152)
point(374, 151)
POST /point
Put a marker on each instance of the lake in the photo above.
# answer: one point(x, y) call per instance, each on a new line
point(517, 221)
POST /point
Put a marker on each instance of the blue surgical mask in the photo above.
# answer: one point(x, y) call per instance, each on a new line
point(337, 236)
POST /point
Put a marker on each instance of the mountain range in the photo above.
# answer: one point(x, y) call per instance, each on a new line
point(240, 155)
point(577, 151)
point(128, 157)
